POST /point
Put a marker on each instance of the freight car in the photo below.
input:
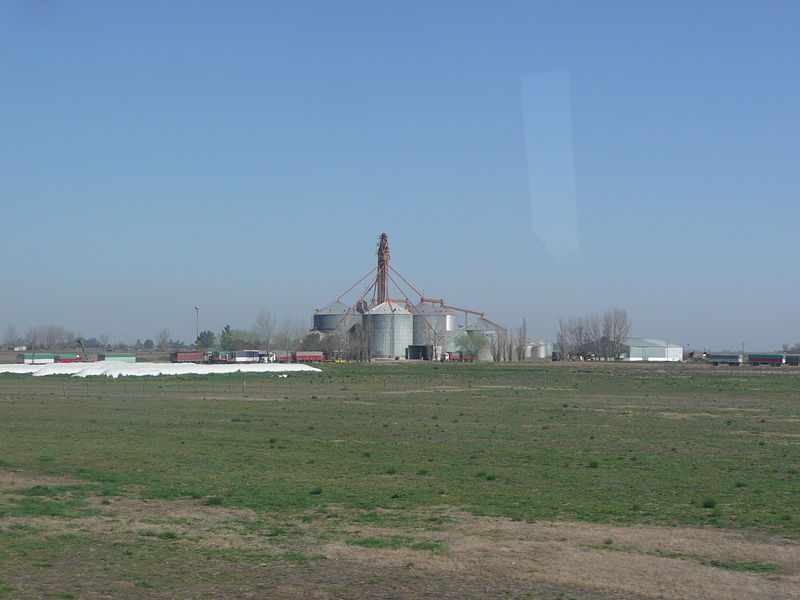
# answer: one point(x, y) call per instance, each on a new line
point(773, 360)
point(793, 360)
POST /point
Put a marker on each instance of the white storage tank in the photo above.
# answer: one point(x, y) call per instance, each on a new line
point(391, 330)
point(541, 350)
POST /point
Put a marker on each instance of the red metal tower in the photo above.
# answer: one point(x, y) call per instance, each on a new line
point(382, 280)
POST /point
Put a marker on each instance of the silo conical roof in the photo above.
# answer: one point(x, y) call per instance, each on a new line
point(387, 308)
point(427, 309)
point(482, 324)
point(334, 308)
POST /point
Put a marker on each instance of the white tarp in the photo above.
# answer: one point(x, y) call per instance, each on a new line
point(111, 368)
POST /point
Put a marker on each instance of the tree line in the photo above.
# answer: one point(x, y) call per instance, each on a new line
point(594, 335)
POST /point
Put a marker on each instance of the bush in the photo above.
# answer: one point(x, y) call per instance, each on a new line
point(709, 502)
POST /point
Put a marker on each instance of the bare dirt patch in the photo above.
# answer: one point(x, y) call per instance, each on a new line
point(462, 556)
point(11, 480)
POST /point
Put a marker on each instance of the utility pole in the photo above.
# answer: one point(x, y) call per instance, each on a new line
point(197, 322)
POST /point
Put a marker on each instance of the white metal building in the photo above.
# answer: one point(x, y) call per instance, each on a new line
point(652, 350)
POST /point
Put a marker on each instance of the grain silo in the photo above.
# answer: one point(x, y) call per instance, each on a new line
point(391, 330)
point(540, 350)
point(335, 316)
point(431, 322)
point(485, 328)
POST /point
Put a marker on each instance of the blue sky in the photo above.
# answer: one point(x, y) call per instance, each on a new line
point(155, 156)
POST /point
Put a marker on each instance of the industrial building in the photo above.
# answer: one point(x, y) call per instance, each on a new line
point(396, 328)
point(651, 350)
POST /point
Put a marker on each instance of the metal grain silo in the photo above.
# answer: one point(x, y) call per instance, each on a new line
point(431, 322)
point(327, 319)
point(485, 328)
point(391, 330)
point(541, 350)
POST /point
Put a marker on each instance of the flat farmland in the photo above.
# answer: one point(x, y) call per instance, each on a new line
point(402, 480)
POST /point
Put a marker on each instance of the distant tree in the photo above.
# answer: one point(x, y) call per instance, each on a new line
point(522, 340)
point(499, 345)
point(32, 338)
point(264, 328)
point(148, 345)
point(163, 339)
point(10, 337)
point(355, 343)
point(564, 339)
point(206, 339)
point(103, 337)
point(472, 344)
point(616, 327)
point(237, 339)
point(311, 342)
point(289, 334)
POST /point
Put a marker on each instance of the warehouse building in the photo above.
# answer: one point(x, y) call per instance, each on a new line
point(651, 350)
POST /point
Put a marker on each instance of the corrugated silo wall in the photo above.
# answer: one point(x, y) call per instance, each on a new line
point(353, 318)
point(429, 328)
point(327, 322)
point(486, 353)
point(390, 335)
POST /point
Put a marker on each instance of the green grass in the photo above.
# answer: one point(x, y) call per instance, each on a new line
point(615, 443)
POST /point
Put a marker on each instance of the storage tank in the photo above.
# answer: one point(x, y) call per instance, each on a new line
point(391, 330)
point(485, 328)
point(431, 322)
point(541, 350)
point(329, 318)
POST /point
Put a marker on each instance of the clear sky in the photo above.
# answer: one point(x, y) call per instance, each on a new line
point(155, 156)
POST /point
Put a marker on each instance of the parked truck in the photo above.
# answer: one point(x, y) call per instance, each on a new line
point(725, 358)
point(189, 356)
point(773, 360)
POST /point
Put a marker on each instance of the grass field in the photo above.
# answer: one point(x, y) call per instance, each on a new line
point(400, 469)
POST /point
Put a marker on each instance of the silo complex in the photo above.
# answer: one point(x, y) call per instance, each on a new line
point(391, 330)
point(390, 326)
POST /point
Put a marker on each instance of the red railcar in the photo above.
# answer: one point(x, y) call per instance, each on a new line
point(192, 356)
